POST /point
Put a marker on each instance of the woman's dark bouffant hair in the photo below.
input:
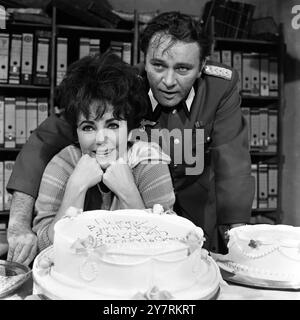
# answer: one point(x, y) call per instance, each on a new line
point(106, 79)
point(181, 27)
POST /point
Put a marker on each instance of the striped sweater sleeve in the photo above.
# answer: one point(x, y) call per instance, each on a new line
point(154, 184)
point(51, 192)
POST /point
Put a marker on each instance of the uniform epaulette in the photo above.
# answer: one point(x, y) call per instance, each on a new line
point(217, 71)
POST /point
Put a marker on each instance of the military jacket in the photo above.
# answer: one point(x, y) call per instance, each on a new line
point(225, 185)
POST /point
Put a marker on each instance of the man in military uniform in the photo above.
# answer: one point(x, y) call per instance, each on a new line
point(185, 92)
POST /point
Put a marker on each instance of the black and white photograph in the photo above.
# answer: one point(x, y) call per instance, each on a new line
point(149, 153)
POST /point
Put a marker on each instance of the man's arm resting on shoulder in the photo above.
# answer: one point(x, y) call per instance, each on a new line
point(22, 241)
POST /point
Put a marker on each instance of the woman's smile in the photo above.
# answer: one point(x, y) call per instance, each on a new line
point(103, 152)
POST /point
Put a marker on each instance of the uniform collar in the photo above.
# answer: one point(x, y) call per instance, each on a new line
point(188, 101)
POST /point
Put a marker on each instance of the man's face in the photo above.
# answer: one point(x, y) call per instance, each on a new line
point(171, 68)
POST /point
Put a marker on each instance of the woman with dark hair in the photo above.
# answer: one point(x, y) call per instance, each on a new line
point(103, 101)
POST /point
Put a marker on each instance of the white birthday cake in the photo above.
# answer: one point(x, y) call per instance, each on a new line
point(268, 252)
point(126, 254)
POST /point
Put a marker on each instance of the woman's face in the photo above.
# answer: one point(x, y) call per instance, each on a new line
point(105, 138)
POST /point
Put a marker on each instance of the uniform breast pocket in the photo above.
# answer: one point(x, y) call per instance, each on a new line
point(205, 135)
point(208, 133)
point(201, 140)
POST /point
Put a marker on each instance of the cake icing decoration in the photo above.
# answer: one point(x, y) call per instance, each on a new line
point(254, 244)
point(73, 212)
point(170, 212)
point(88, 270)
point(45, 266)
point(205, 255)
point(153, 294)
point(158, 209)
point(194, 241)
point(88, 245)
point(236, 267)
point(258, 244)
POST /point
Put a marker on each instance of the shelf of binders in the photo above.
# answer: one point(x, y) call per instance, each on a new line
point(247, 44)
point(94, 29)
point(257, 153)
point(257, 99)
point(259, 210)
point(7, 86)
point(28, 25)
point(16, 149)
point(25, 57)
point(6, 166)
point(259, 64)
point(75, 42)
point(24, 82)
point(246, 41)
point(265, 216)
point(87, 40)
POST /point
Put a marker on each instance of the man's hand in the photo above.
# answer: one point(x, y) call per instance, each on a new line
point(225, 228)
point(22, 242)
point(224, 237)
point(22, 246)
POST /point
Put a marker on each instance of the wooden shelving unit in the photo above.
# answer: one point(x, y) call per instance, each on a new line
point(276, 48)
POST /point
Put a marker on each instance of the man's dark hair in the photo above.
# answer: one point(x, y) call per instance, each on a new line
point(181, 27)
point(106, 79)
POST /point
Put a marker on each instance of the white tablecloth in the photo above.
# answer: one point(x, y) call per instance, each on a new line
point(236, 292)
point(227, 292)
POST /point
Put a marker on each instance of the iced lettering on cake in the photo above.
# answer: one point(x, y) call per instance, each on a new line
point(128, 231)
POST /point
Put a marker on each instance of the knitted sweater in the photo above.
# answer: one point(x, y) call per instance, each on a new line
point(153, 181)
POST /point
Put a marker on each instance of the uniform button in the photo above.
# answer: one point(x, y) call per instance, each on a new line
point(175, 165)
point(176, 141)
point(174, 111)
point(208, 139)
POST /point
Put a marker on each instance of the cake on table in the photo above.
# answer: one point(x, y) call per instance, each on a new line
point(269, 253)
point(126, 254)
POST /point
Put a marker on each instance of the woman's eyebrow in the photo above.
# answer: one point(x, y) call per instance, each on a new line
point(110, 119)
point(85, 121)
point(93, 121)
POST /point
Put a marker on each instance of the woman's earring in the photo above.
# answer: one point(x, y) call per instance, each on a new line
point(129, 136)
